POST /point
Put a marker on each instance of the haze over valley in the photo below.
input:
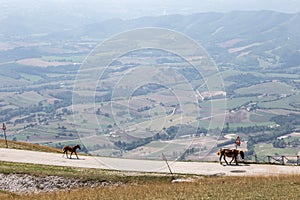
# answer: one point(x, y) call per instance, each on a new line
point(150, 101)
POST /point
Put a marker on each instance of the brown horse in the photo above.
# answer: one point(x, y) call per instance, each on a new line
point(233, 153)
point(70, 149)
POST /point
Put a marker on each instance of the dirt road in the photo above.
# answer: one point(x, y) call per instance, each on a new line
point(201, 168)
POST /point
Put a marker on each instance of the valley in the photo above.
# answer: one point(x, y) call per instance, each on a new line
point(151, 101)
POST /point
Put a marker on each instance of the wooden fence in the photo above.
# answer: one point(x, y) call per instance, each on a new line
point(283, 160)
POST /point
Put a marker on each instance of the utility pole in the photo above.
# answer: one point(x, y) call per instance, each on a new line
point(4, 131)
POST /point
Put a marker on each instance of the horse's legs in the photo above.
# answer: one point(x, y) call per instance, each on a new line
point(225, 159)
point(236, 162)
point(221, 159)
point(71, 154)
point(235, 159)
point(76, 155)
point(65, 152)
point(232, 159)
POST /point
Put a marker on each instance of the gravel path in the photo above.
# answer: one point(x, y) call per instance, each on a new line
point(24, 183)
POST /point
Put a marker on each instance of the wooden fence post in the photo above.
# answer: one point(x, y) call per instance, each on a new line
point(282, 157)
point(4, 132)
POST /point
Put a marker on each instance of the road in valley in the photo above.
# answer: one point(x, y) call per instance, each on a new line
point(200, 168)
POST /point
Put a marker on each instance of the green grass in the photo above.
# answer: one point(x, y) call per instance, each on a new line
point(247, 124)
point(267, 149)
point(280, 104)
point(83, 174)
point(236, 102)
point(31, 78)
point(267, 88)
point(261, 117)
point(284, 103)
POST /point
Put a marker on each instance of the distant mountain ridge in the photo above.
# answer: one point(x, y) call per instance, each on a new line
point(248, 38)
point(260, 40)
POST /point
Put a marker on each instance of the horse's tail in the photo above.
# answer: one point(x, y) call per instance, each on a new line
point(242, 155)
point(63, 149)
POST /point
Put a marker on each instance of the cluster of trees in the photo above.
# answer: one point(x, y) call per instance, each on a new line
point(98, 146)
point(265, 137)
point(253, 129)
point(147, 89)
point(189, 151)
point(168, 134)
point(134, 144)
point(201, 130)
point(14, 70)
point(287, 120)
point(242, 80)
point(290, 58)
point(246, 130)
point(143, 108)
point(288, 124)
point(281, 143)
point(189, 73)
point(29, 111)
point(226, 143)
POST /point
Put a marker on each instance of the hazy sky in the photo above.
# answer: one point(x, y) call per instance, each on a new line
point(211, 5)
point(89, 11)
point(136, 8)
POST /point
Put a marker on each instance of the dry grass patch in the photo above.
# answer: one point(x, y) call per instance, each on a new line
point(28, 146)
point(273, 187)
point(41, 63)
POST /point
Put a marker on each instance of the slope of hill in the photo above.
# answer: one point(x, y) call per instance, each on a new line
point(28, 146)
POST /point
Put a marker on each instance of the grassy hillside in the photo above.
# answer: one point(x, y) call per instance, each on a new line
point(28, 146)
